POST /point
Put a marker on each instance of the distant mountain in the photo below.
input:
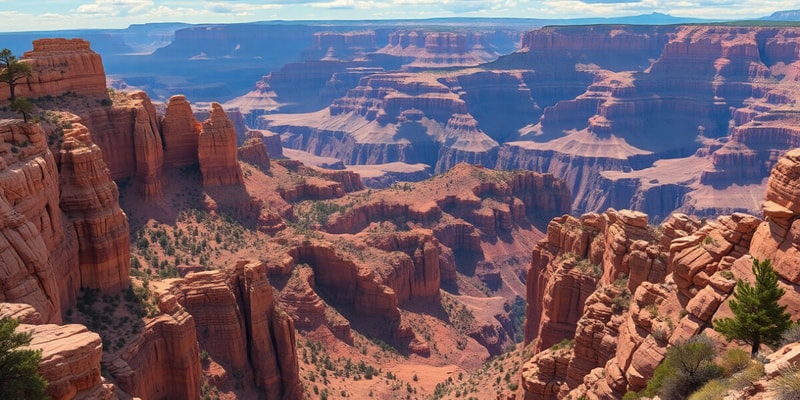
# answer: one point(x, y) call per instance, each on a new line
point(786, 15)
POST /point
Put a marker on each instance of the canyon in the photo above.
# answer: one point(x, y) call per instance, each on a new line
point(594, 198)
point(652, 118)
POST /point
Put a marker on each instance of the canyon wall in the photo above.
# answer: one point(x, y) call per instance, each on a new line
point(651, 118)
point(61, 66)
point(64, 231)
point(656, 286)
point(241, 327)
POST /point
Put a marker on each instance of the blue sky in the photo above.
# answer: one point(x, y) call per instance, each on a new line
point(25, 15)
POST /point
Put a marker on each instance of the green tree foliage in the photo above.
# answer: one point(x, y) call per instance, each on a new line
point(758, 318)
point(687, 367)
point(22, 106)
point(19, 376)
point(12, 70)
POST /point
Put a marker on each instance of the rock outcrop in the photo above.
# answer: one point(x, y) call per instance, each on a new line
point(254, 151)
point(242, 328)
point(62, 66)
point(30, 222)
point(181, 132)
point(70, 361)
point(91, 200)
point(63, 230)
point(663, 287)
point(216, 150)
point(164, 361)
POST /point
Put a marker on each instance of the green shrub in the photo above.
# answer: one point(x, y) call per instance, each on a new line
point(734, 360)
point(713, 390)
point(631, 396)
point(748, 376)
point(686, 367)
point(787, 384)
point(791, 335)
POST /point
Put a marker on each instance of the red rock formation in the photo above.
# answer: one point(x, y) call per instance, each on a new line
point(60, 66)
point(180, 131)
point(241, 327)
point(148, 146)
point(90, 199)
point(30, 221)
point(618, 343)
point(216, 149)
point(777, 239)
point(254, 151)
point(163, 362)
point(70, 361)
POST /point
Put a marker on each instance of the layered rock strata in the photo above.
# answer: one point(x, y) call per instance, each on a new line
point(181, 132)
point(242, 328)
point(63, 230)
point(216, 150)
point(61, 66)
point(677, 283)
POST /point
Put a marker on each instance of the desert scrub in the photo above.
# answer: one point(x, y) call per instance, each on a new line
point(787, 384)
point(563, 344)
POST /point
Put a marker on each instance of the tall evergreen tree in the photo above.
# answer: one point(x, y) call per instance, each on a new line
point(19, 368)
point(12, 70)
point(758, 318)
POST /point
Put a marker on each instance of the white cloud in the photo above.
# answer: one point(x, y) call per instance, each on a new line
point(115, 8)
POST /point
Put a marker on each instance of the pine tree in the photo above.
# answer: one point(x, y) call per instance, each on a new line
point(758, 318)
point(19, 368)
point(12, 70)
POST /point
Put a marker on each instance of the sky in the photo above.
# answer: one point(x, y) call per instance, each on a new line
point(29, 15)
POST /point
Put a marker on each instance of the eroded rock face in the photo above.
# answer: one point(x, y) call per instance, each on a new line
point(241, 327)
point(181, 132)
point(254, 151)
point(620, 339)
point(70, 361)
point(30, 220)
point(62, 230)
point(777, 239)
point(216, 149)
point(163, 362)
point(91, 200)
point(60, 66)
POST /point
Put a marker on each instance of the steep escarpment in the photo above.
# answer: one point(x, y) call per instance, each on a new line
point(91, 200)
point(241, 327)
point(216, 148)
point(180, 131)
point(425, 49)
point(732, 77)
point(651, 118)
point(679, 278)
point(64, 231)
point(60, 66)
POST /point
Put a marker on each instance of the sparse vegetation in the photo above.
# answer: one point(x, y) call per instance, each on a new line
point(758, 318)
point(787, 384)
point(19, 368)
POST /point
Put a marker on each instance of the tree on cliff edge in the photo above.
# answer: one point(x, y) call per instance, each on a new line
point(12, 70)
point(19, 368)
point(757, 316)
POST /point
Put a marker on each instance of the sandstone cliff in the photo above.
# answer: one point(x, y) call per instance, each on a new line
point(63, 231)
point(664, 286)
point(651, 118)
point(61, 66)
point(241, 327)
point(216, 150)
point(181, 132)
